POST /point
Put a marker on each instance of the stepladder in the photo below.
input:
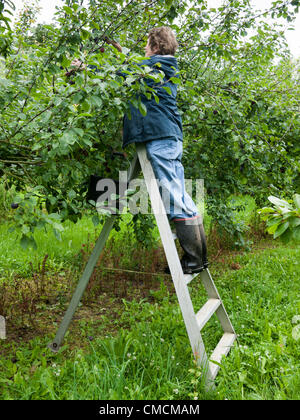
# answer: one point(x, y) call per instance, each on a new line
point(194, 320)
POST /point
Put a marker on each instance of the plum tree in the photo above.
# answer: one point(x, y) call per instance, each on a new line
point(234, 90)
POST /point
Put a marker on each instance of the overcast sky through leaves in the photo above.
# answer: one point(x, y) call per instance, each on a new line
point(293, 37)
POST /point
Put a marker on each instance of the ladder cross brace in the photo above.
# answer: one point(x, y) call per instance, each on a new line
point(207, 311)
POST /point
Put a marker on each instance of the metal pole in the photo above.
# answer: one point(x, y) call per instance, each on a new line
point(88, 271)
point(82, 284)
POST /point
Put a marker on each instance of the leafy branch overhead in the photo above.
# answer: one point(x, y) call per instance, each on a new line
point(238, 96)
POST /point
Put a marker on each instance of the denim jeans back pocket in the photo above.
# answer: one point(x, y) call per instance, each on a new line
point(164, 149)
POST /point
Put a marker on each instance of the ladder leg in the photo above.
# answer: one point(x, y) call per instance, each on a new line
point(213, 293)
point(229, 335)
point(193, 322)
point(88, 271)
point(173, 260)
point(82, 285)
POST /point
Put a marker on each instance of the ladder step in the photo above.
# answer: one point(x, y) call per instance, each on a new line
point(206, 312)
point(222, 349)
point(189, 277)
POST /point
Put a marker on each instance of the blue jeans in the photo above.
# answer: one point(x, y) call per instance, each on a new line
point(165, 157)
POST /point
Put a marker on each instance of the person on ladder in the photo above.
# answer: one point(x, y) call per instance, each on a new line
point(161, 131)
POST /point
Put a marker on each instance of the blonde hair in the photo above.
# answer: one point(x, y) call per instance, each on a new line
point(163, 41)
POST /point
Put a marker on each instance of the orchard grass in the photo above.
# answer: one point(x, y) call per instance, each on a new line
point(134, 345)
point(127, 339)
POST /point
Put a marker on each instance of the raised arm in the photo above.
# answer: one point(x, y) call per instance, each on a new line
point(113, 43)
point(79, 65)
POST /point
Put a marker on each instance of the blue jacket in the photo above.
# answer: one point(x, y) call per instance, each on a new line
point(163, 119)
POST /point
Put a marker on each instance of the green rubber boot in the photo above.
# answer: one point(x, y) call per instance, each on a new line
point(191, 236)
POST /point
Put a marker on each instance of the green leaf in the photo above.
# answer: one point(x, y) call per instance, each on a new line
point(175, 80)
point(279, 203)
point(287, 236)
point(142, 109)
point(69, 137)
point(95, 220)
point(296, 234)
point(54, 69)
point(24, 242)
point(57, 234)
point(156, 98)
point(282, 228)
point(296, 319)
point(55, 216)
point(71, 194)
point(266, 210)
point(27, 242)
point(272, 229)
point(296, 332)
point(86, 105)
point(273, 221)
point(46, 116)
point(95, 100)
point(25, 229)
point(296, 199)
point(68, 10)
point(78, 131)
point(85, 34)
point(167, 89)
point(294, 221)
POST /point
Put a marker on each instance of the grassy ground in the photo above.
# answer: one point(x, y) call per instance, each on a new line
point(128, 339)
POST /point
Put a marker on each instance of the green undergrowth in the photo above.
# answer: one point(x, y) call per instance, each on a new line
point(149, 357)
point(62, 254)
point(136, 346)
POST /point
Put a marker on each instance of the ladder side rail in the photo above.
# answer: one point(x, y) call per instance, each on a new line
point(221, 350)
point(88, 271)
point(173, 260)
point(213, 293)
